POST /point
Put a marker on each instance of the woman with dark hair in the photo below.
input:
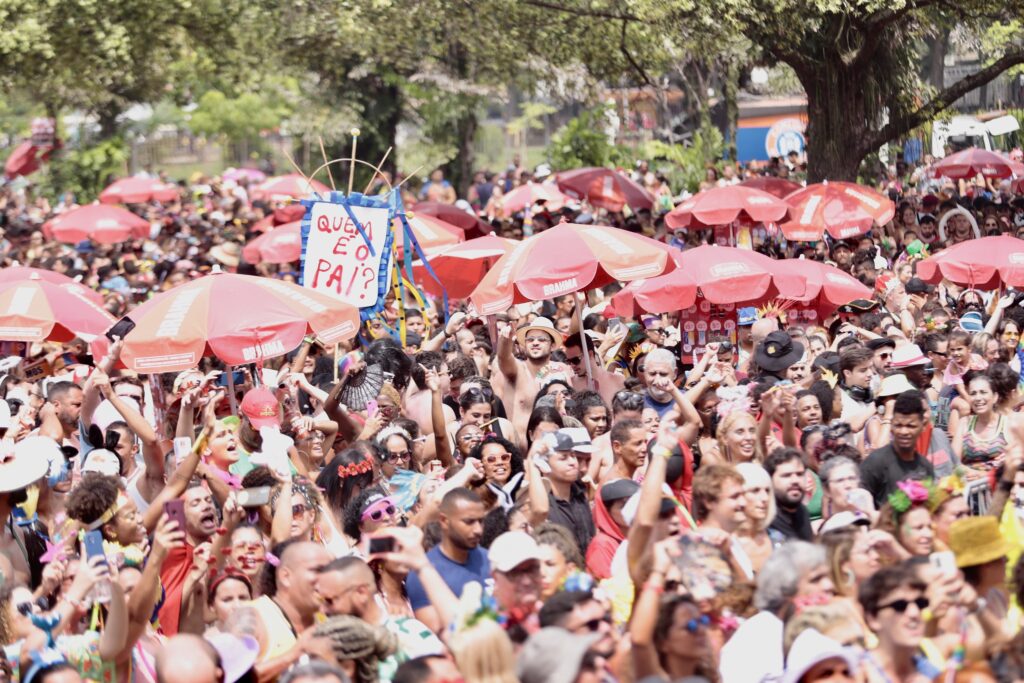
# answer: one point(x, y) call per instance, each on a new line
point(503, 468)
point(477, 407)
point(542, 420)
point(344, 478)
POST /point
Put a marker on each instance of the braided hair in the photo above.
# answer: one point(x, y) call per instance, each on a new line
point(355, 640)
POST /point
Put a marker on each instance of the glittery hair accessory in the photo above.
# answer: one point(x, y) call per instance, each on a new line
point(474, 606)
point(908, 493)
point(830, 377)
point(733, 399)
point(354, 469)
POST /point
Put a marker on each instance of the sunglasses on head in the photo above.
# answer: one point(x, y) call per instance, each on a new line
point(902, 604)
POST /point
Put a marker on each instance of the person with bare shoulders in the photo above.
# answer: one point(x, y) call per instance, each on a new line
point(523, 377)
point(626, 405)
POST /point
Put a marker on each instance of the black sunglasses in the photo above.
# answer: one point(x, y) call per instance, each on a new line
point(901, 605)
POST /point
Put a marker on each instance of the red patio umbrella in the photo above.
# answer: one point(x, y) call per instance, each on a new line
point(565, 259)
point(529, 194)
point(471, 224)
point(461, 267)
point(430, 232)
point(237, 318)
point(289, 213)
point(137, 190)
point(841, 209)
point(22, 273)
point(825, 287)
point(284, 186)
point(24, 160)
point(722, 275)
point(725, 205)
point(35, 310)
point(779, 187)
point(283, 244)
point(97, 222)
point(253, 175)
point(973, 161)
point(604, 188)
point(984, 263)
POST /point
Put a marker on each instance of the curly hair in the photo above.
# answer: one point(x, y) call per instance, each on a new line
point(353, 639)
point(516, 464)
point(353, 512)
point(92, 497)
point(666, 620)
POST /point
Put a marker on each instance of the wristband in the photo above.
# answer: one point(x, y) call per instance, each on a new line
point(661, 451)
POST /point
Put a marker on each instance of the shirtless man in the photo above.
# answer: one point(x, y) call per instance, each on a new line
point(605, 383)
point(418, 397)
point(523, 377)
point(626, 405)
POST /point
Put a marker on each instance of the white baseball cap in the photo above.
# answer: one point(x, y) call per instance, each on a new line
point(511, 549)
point(810, 648)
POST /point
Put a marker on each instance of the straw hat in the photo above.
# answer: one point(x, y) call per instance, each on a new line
point(540, 325)
point(228, 253)
point(976, 540)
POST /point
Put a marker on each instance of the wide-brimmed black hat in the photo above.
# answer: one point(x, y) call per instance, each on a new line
point(777, 352)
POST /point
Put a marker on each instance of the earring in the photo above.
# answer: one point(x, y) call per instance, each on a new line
point(851, 578)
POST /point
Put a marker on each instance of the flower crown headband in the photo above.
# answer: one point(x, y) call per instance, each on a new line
point(354, 469)
point(911, 492)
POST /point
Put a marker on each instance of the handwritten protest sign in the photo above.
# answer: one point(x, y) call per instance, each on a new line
point(337, 261)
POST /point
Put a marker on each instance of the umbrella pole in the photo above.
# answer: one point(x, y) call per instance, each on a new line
point(583, 341)
point(336, 363)
point(231, 390)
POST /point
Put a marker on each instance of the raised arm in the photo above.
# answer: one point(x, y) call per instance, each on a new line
point(506, 361)
point(442, 449)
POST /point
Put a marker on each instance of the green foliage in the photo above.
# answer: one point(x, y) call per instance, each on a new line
point(237, 118)
point(583, 142)
point(86, 171)
point(685, 166)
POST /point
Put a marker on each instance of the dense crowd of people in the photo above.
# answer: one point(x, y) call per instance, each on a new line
point(838, 502)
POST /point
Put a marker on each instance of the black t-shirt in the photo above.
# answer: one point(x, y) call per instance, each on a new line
point(793, 524)
point(574, 514)
point(883, 469)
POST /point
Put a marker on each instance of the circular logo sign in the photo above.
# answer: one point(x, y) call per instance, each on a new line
point(785, 136)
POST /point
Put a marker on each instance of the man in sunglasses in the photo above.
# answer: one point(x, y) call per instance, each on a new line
point(605, 383)
point(523, 378)
point(579, 612)
point(894, 603)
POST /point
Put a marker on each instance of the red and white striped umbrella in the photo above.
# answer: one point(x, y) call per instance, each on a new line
point(35, 310)
point(21, 273)
point(842, 209)
point(565, 259)
point(283, 244)
point(97, 222)
point(137, 190)
point(284, 186)
point(237, 318)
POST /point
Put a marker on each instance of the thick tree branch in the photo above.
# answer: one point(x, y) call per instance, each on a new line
point(581, 11)
point(629, 57)
point(904, 124)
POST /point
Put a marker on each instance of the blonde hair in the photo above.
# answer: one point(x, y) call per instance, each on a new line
point(484, 653)
point(725, 424)
point(817, 617)
point(755, 475)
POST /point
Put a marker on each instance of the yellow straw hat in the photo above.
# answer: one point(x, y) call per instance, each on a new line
point(976, 540)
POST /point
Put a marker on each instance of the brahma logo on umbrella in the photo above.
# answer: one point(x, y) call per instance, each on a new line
point(837, 278)
point(864, 198)
point(561, 287)
point(1016, 257)
point(729, 269)
point(848, 231)
point(271, 348)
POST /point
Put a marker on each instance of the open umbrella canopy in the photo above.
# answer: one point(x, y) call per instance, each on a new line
point(984, 263)
point(843, 210)
point(972, 162)
point(282, 244)
point(289, 213)
point(287, 186)
point(778, 187)
point(471, 224)
point(138, 190)
point(237, 318)
point(97, 222)
point(253, 175)
point(22, 273)
point(825, 287)
point(35, 310)
point(565, 259)
point(721, 275)
point(461, 267)
point(724, 205)
point(529, 194)
point(430, 232)
point(604, 188)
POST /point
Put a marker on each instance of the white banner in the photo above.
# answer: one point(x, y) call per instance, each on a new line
point(338, 261)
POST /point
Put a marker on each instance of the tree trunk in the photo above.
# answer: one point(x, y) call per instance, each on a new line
point(107, 118)
point(465, 159)
point(730, 84)
point(937, 47)
point(838, 122)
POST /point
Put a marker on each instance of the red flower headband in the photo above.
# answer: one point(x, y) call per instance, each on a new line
point(355, 469)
